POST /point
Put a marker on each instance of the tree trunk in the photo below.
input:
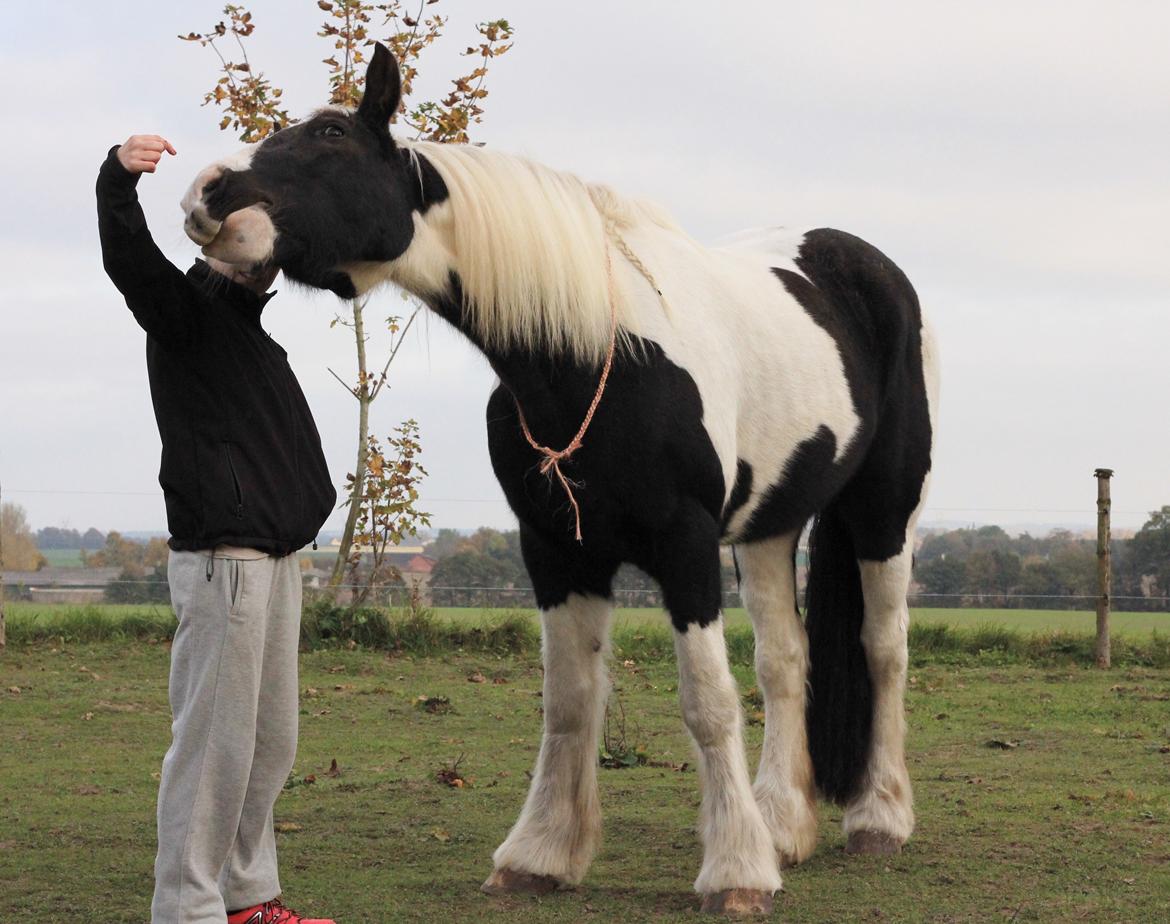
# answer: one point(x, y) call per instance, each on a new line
point(363, 396)
point(1102, 651)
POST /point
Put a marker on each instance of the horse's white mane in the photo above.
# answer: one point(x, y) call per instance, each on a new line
point(530, 247)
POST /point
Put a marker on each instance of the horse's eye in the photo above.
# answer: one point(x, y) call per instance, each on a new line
point(333, 131)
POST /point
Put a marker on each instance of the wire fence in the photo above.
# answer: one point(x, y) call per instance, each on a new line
point(124, 591)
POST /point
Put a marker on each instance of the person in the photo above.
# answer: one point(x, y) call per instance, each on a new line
point(246, 485)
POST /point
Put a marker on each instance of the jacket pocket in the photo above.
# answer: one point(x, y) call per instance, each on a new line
point(236, 486)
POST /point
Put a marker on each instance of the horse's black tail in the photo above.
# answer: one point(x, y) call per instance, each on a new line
point(840, 705)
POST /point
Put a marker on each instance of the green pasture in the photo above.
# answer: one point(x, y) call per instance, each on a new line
point(62, 558)
point(1042, 792)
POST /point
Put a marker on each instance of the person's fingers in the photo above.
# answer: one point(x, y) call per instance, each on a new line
point(151, 155)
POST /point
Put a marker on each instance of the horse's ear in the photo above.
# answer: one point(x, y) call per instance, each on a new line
point(383, 90)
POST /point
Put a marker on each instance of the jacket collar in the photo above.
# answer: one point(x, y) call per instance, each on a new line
point(241, 297)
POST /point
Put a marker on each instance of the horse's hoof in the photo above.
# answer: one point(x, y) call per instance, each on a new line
point(507, 881)
point(872, 843)
point(738, 901)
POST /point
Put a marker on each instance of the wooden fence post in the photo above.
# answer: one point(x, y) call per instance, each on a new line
point(1104, 577)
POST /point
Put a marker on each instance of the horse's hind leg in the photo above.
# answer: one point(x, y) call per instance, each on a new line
point(559, 828)
point(880, 817)
point(784, 788)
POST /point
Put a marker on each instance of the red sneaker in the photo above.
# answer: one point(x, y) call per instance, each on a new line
point(273, 912)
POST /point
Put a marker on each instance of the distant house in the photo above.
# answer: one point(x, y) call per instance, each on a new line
point(59, 585)
point(414, 567)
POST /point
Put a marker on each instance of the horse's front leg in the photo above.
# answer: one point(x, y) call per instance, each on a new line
point(559, 829)
point(740, 871)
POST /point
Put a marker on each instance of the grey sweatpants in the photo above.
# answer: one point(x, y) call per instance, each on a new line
point(233, 691)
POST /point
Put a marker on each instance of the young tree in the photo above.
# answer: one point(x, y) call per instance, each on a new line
point(252, 107)
point(17, 541)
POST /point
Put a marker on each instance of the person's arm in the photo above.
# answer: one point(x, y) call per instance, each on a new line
point(156, 291)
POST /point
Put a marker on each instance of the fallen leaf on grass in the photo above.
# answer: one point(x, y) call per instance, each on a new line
point(451, 775)
point(443, 837)
point(499, 680)
point(333, 771)
point(286, 827)
point(435, 705)
point(1001, 744)
point(14, 690)
point(477, 677)
point(88, 789)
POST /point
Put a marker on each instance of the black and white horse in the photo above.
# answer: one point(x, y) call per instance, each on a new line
point(754, 385)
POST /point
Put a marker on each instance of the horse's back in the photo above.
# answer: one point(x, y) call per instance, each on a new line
point(848, 402)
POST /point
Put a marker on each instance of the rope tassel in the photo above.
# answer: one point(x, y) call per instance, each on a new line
point(553, 457)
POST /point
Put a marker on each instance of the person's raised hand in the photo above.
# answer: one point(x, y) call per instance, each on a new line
point(141, 153)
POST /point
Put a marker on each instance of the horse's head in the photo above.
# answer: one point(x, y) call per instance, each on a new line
point(315, 199)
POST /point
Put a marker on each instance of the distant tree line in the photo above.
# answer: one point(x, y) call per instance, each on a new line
point(979, 566)
point(985, 566)
point(53, 537)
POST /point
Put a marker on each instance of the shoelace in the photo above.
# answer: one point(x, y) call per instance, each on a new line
point(282, 915)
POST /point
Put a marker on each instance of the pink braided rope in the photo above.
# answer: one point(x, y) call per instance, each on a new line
point(553, 457)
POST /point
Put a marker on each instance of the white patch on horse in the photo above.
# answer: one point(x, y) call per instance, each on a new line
point(737, 846)
point(198, 225)
point(559, 829)
point(768, 374)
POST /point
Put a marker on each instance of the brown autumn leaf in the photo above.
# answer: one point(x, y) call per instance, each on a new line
point(286, 827)
point(333, 771)
point(477, 677)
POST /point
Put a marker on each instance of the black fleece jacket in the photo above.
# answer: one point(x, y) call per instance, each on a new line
point(241, 458)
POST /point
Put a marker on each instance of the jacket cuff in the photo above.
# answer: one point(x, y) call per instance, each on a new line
point(114, 174)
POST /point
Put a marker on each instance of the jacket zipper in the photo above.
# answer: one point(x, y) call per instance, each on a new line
point(235, 482)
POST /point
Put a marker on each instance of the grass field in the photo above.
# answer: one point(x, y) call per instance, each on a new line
point(1072, 824)
point(62, 558)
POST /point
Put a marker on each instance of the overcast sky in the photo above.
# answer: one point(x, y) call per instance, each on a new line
point(1012, 158)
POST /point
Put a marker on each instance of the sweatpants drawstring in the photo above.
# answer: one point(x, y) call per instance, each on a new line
point(210, 566)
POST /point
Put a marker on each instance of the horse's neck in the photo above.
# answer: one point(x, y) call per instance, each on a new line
point(547, 389)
